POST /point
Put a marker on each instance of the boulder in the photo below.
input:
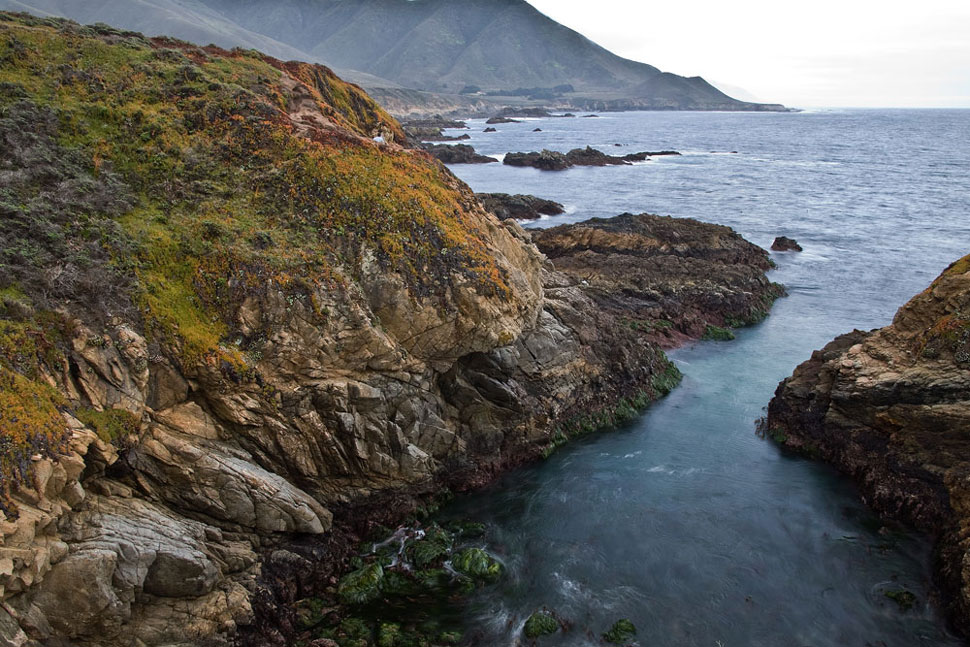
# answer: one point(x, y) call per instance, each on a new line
point(457, 154)
point(519, 206)
point(785, 244)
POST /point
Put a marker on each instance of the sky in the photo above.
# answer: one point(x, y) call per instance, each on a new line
point(858, 53)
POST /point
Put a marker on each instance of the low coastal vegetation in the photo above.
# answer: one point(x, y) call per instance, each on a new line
point(162, 184)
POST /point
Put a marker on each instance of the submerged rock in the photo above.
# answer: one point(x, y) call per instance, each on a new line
point(621, 632)
point(540, 623)
point(490, 130)
point(904, 599)
point(502, 120)
point(890, 408)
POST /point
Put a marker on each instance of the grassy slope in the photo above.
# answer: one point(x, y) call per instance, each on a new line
point(159, 184)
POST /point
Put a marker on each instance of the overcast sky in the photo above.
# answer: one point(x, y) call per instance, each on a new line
point(807, 53)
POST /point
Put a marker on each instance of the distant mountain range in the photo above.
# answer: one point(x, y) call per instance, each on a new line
point(476, 51)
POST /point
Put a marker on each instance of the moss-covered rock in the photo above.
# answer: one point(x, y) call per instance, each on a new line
point(716, 333)
point(621, 632)
point(540, 623)
point(388, 635)
point(361, 586)
point(477, 564)
point(906, 600)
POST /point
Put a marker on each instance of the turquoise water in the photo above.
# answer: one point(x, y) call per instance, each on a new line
point(686, 521)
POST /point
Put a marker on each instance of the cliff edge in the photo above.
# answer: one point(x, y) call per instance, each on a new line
point(891, 408)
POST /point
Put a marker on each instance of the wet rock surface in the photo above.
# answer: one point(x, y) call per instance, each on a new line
point(785, 244)
point(430, 129)
point(890, 408)
point(670, 278)
point(456, 154)
point(547, 160)
point(519, 206)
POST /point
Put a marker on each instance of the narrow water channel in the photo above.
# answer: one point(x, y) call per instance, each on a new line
point(686, 522)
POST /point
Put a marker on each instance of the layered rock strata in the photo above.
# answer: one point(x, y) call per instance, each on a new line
point(891, 408)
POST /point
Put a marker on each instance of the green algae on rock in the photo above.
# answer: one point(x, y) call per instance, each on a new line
point(906, 600)
point(400, 602)
point(477, 564)
point(540, 623)
point(716, 333)
point(362, 586)
point(621, 632)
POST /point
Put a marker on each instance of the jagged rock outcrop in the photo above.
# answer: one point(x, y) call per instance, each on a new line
point(891, 408)
point(672, 278)
point(236, 332)
point(785, 244)
point(519, 206)
point(430, 129)
point(457, 154)
point(547, 160)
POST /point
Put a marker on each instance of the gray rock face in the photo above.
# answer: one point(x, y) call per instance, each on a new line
point(383, 396)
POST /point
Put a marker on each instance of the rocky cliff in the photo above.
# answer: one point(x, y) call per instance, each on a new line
point(241, 324)
point(891, 408)
point(671, 278)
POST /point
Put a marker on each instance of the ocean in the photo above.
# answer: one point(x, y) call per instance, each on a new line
point(686, 522)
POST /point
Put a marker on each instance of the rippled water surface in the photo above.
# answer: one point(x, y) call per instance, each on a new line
point(686, 522)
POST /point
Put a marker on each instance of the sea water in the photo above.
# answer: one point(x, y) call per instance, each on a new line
point(686, 522)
